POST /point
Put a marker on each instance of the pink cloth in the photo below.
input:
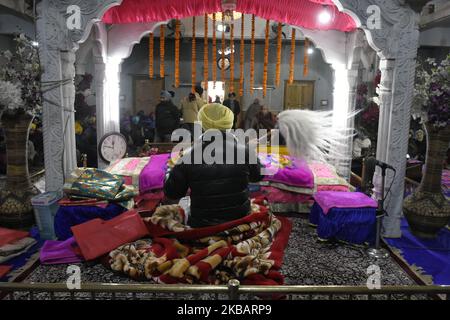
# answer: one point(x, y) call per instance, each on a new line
point(59, 252)
point(332, 199)
point(11, 235)
point(275, 195)
point(288, 170)
point(326, 178)
point(129, 168)
point(302, 13)
point(152, 176)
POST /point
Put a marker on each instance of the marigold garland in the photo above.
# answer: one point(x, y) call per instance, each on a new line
point(205, 54)
point(194, 56)
point(232, 58)
point(161, 51)
point(241, 59)
point(278, 65)
point(252, 56)
point(177, 53)
point(150, 56)
point(292, 62)
point(222, 69)
point(266, 58)
point(214, 50)
point(306, 58)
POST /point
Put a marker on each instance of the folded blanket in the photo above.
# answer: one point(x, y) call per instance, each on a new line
point(4, 270)
point(129, 169)
point(10, 235)
point(332, 199)
point(249, 249)
point(11, 250)
point(327, 179)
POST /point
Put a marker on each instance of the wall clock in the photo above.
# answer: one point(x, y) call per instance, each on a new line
point(226, 63)
point(112, 146)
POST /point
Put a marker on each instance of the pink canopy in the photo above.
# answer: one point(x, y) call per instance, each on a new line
point(302, 13)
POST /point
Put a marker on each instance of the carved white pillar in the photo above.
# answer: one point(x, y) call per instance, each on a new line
point(68, 73)
point(112, 95)
point(99, 82)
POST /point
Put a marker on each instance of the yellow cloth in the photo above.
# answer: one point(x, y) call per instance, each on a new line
point(78, 128)
point(190, 108)
point(216, 116)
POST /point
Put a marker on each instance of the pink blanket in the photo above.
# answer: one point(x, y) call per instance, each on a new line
point(326, 178)
point(152, 176)
point(335, 199)
point(287, 170)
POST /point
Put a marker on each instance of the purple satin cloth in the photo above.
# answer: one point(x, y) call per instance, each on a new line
point(335, 199)
point(59, 252)
point(152, 176)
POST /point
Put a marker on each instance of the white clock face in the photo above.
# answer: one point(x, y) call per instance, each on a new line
point(113, 147)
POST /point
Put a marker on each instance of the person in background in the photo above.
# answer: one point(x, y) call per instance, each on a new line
point(190, 107)
point(167, 117)
point(217, 100)
point(219, 191)
point(251, 113)
point(264, 119)
point(234, 106)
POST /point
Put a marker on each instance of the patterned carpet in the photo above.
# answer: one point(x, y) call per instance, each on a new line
point(307, 262)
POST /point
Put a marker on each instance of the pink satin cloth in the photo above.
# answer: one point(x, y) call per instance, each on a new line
point(302, 13)
point(335, 199)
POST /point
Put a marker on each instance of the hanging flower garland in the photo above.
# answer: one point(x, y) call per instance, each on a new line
point(177, 53)
point(222, 66)
point(194, 56)
point(278, 65)
point(150, 56)
point(266, 58)
point(161, 51)
point(205, 54)
point(306, 58)
point(292, 62)
point(252, 56)
point(241, 59)
point(214, 51)
point(232, 58)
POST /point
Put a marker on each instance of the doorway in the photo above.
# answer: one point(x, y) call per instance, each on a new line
point(299, 95)
point(146, 93)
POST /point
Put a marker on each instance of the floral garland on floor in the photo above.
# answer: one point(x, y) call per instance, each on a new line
point(161, 51)
point(266, 58)
point(205, 53)
point(278, 65)
point(292, 62)
point(150, 55)
point(177, 53)
point(252, 56)
point(241, 59)
point(194, 56)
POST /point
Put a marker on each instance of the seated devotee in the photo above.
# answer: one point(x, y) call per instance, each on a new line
point(190, 107)
point(219, 191)
point(167, 118)
point(234, 106)
point(264, 119)
point(251, 112)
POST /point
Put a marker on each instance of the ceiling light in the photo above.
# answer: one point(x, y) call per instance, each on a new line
point(310, 51)
point(325, 16)
point(34, 43)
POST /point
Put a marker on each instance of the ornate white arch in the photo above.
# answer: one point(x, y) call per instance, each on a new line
point(396, 43)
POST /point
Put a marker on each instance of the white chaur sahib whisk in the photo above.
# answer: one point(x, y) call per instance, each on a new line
point(311, 135)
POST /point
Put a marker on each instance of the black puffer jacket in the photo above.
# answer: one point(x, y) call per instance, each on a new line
point(167, 117)
point(218, 191)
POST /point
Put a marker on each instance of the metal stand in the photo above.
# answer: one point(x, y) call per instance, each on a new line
point(377, 252)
